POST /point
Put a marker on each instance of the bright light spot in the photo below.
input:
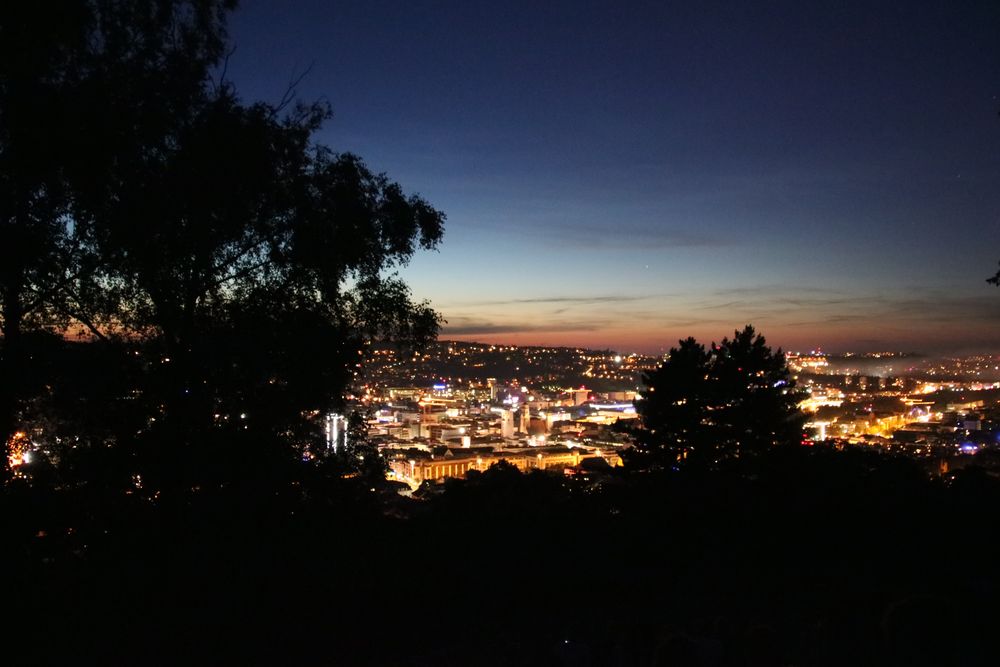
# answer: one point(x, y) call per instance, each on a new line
point(18, 450)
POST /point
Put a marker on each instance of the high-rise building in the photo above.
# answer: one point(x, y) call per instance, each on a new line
point(507, 423)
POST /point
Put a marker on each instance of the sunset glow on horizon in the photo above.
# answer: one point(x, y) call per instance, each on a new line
point(626, 176)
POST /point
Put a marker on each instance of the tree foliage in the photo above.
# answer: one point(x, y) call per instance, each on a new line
point(39, 60)
point(236, 262)
point(729, 400)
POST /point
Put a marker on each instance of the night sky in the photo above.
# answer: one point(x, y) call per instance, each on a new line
point(622, 174)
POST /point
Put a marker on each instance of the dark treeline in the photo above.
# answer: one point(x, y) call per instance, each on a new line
point(802, 556)
point(224, 271)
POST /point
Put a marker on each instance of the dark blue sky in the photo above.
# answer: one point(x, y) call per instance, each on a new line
point(624, 174)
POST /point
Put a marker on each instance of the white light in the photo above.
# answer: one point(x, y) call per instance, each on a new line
point(333, 431)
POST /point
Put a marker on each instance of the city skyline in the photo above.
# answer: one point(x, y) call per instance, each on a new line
point(623, 177)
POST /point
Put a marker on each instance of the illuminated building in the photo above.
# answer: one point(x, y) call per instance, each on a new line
point(336, 432)
point(507, 423)
point(458, 462)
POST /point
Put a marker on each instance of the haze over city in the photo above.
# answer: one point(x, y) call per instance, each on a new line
point(622, 176)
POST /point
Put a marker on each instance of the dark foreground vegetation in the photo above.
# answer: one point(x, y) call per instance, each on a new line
point(804, 556)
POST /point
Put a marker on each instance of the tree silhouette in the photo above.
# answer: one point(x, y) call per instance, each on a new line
point(40, 57)
point(244, 263)
point(56, 62)
point(734, 399)
point(674, 404)
point(756, 395)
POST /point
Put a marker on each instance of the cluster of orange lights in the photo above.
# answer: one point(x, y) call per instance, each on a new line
point(17, 450)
